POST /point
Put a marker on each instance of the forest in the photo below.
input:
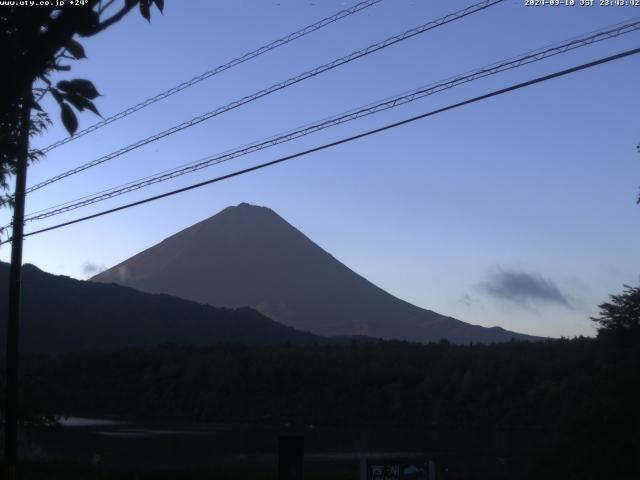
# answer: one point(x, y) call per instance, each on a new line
point(584, 391)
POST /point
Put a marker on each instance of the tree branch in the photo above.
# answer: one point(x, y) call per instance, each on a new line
point(114, 18)
point(102, 9)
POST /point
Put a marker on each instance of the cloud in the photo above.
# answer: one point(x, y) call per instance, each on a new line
point(122, 273)
point(524, 289)
point(90, 268)
point(467, 300)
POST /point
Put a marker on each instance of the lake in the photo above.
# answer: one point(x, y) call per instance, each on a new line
point(145, 445)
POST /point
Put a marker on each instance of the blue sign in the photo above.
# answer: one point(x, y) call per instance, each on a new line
point(397, 469)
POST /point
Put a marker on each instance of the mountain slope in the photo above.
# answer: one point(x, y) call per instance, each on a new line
point(250, 256)
point(61, 314)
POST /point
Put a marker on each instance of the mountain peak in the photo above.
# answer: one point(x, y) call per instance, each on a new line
point(248, 205)
point(243, 209)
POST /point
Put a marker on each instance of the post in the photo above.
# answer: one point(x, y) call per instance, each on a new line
point(291, 457)
point(15, 278)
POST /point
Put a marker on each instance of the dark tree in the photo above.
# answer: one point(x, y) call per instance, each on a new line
point(621, 316)
point(37, 41)
point(617, 418)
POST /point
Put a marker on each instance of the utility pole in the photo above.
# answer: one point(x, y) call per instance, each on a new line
point(15, 280)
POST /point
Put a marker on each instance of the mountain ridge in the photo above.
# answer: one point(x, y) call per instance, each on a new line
point(62, 314)
point(248, 255)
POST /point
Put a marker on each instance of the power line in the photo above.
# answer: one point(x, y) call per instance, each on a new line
point(219, 69)
point(344, 140)
point(389, 103)
point(276, 87)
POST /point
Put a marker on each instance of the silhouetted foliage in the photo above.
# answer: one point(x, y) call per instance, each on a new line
point(36, 42)
point(565, 387)
point(621, 316)
point(617, 419)
point(509, 385)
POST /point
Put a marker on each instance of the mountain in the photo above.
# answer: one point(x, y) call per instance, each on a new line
point(60, 314)
point(249, 256)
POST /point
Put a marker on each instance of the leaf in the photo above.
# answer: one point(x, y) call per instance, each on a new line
point(88, 23)
point(79, 86)
point(160, 5)
point(76, 101)
point(144, 9)
point(75, 49)
point(57, 95)
point(63, 85)
point(81, 103)
point(69, 119)
point(37, 106)
point(92, 107)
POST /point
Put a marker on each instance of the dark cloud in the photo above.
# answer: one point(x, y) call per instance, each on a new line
point(90, 268)
point(523, 288)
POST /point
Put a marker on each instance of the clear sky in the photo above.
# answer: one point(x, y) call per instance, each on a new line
point(518, 211)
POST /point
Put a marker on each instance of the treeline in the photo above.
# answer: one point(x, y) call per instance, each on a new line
point(508, 385)
point(586, 391)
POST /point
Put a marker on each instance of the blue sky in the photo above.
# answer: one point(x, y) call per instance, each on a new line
point(518, 211)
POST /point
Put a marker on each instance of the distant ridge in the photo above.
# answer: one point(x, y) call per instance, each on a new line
point(60, 314)
point(250, 256)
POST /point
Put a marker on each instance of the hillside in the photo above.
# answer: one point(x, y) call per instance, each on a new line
point(62, 314)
